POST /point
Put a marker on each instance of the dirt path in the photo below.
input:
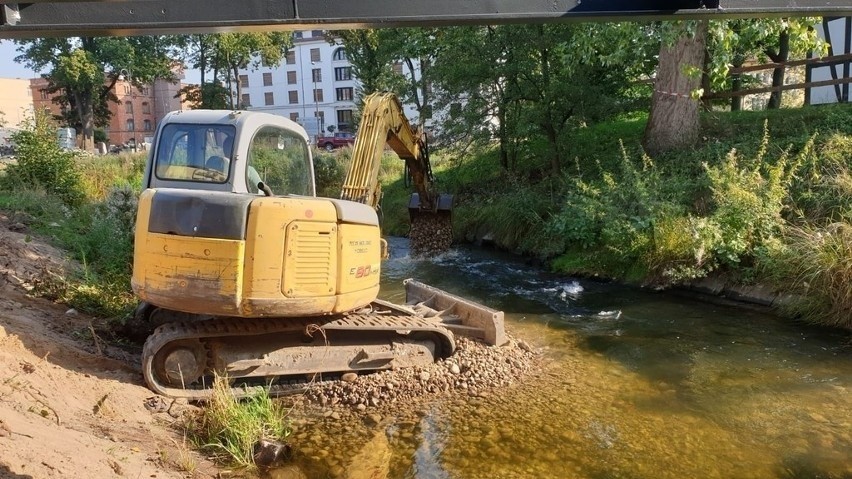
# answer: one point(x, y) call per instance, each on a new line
point(71, 406)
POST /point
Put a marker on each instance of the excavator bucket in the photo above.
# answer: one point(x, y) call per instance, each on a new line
point(461, 316)
point(431, 228)
point(444, 204)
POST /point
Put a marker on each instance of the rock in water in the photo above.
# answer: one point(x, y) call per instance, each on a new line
point(372, 461)
point(268, 453)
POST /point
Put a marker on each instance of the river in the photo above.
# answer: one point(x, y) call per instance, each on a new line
point(636, 384)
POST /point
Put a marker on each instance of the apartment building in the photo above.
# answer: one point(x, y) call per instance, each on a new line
point(314, 86)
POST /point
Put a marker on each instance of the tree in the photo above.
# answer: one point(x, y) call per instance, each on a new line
point(233, 51)
point(673, 121)
point(85, 70)
point(224, 55)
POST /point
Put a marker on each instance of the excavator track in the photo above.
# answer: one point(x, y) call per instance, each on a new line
point(180, 358)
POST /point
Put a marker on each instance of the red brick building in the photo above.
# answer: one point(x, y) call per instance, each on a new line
point(136, 114)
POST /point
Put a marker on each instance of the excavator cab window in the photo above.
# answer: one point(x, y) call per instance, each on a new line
point(190, 152)
point(281, 160)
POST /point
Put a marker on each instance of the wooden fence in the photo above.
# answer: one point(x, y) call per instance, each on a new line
point(810, 64)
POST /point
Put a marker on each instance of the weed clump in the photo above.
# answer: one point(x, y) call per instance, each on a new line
point(232, 429)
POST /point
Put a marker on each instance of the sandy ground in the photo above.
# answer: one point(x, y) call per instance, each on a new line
point(71, 406)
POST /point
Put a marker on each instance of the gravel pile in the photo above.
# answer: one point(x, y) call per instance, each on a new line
point(474, 370)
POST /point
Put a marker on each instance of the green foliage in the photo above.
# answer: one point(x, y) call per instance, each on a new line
point(229, 429)
point(43, 164)
point(330, 170)
point(815, 265)
point(96, 228)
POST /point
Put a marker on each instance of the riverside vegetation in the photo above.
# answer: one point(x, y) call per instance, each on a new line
point(766, 197)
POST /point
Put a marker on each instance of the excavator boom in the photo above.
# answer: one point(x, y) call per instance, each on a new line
point(383, 122)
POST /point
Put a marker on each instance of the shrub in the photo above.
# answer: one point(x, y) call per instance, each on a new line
point(42, 163)
point(815, 264)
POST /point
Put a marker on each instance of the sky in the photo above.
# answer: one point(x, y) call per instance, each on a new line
point(11, 69)
point(8, 67)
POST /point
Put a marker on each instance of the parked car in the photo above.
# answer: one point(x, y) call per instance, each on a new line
point(340, 138)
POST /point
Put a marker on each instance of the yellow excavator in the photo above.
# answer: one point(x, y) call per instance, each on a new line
point(246, 273)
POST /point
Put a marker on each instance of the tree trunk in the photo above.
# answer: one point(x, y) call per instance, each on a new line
point(673, 121)
point(86, 112)
point(737, 84)
point(778, 73)
point(235, 68)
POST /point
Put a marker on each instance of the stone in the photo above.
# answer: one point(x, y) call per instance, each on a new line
point(424, 376)
point(454, 368)
point(525, 346)
point(267, 453)
point(361, 407)
point(71, 312)
point(373, 420)
point(349, 377)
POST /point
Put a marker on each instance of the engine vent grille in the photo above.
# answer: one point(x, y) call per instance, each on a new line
point(310, 259)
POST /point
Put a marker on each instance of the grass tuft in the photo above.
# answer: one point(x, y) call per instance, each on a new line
point(228, 428)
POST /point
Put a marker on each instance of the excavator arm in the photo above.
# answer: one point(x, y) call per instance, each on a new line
point(383, 122)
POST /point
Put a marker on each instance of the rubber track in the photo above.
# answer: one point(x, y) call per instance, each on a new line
point(223, 327)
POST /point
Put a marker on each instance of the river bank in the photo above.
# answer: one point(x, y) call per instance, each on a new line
point(763, 200)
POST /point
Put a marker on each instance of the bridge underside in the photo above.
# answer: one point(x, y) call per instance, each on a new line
point(40, 18)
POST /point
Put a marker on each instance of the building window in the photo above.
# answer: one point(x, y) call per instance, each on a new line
point(146, 108)
point(291, 57)
point(147, 125)
point(316, 33)
point(267, 79)
point(343, 73)
point(246, 101)
point(315, 54)
point(316, 74)
point(294, 116)
point(127, 89)
point(320, 115)
point(318, 95)
point(344, 117)
point(129, 124)
point(44, 95)
point(291, 78)
point(397, 68)
point(244, 83)
point(268, 98)
point(128, 108)
point(297, 35)
point(344, 94)
point(294, 96)
point(146, 91)
point(339, 54)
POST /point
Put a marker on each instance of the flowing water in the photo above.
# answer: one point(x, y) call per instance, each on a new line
point(636, 384)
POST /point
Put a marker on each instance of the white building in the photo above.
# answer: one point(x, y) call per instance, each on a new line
point(314, 86)
point(837, 31)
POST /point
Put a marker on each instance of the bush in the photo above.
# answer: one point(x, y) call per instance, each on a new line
point(815, 265)
point(41, 163)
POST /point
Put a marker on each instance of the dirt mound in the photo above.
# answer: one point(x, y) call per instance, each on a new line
point(70, 406)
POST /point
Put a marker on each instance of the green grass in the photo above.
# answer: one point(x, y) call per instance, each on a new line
point(228, 428)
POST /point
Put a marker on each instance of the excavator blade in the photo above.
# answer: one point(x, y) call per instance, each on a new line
point(459, 315)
